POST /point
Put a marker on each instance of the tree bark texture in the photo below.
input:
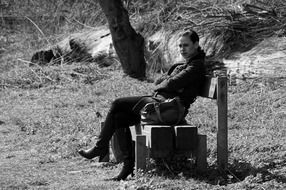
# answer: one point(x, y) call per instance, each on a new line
point(128, 44)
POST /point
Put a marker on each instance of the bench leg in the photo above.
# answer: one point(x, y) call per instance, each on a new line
point(201, 153)
point(140, 152)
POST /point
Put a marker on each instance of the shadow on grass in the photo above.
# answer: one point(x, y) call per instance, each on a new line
point(236, 172)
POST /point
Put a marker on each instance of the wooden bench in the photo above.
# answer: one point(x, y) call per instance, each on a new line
point(159, 138)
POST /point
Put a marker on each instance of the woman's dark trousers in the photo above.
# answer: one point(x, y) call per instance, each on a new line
point(120, 115)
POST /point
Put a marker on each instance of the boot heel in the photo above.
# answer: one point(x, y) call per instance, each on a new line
point(128, 169)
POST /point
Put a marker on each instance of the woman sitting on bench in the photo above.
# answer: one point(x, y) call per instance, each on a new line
point(183, 80)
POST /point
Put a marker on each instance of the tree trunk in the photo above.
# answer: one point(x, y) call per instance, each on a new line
point(128, 44)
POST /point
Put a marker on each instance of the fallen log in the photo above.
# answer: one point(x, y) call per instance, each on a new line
point(87, 46)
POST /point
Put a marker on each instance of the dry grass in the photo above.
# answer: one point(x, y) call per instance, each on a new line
point(227, 27)
point(49, 124)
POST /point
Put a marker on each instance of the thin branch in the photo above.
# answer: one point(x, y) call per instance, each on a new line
point(45, 37)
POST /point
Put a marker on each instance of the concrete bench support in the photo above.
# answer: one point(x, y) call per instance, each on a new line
point(186, 139)
point(159, 139)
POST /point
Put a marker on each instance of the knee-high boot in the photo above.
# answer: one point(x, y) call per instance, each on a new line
point(127, 148)
point(102, 144)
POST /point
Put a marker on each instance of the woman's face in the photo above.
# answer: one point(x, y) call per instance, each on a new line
point(187, 48)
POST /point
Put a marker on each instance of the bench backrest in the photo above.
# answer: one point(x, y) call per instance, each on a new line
point(209, 89)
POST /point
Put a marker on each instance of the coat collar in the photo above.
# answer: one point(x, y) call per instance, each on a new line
point(199, 55)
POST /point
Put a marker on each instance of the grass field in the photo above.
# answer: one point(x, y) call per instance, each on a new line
point(42, 128)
